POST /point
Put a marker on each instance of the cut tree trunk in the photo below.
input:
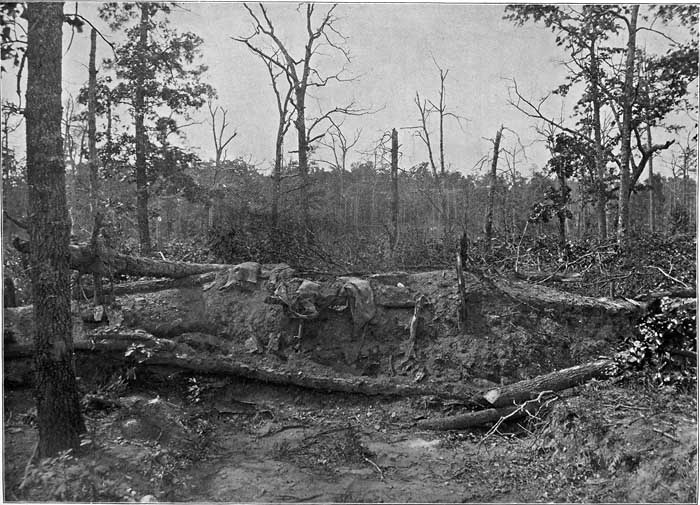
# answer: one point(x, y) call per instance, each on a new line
point(556, 381)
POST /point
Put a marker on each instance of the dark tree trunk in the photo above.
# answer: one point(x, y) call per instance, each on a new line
point(303, 145)
point(9, 295)
point(141, 140)
point(488, 227)
point(277, 173)
point(58, 411)
point(394, 191)
point(626, 148)
point(92, 153)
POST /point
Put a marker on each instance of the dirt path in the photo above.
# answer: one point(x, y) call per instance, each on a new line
point(324, 448)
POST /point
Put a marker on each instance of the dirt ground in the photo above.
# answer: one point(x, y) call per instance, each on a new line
point(159, 434)
point(196, 438)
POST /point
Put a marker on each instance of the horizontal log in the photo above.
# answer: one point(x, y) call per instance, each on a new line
point(149, 286)
point(84, 259)
point(469, 420)
point(555, 381)
point(163, 352)
point(669, 293)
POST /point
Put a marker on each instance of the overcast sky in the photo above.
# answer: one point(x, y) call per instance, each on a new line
point(392, 48)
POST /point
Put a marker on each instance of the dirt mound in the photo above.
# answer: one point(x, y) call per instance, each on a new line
point(395, 324)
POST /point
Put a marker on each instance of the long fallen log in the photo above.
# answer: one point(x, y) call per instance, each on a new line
point(167, 353)
point(84, 259)
point(555, 381)
point(148, 286)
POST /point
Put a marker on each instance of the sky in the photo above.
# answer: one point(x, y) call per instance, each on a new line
point(394, 49)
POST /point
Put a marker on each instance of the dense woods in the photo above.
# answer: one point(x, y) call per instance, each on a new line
point(358, 257)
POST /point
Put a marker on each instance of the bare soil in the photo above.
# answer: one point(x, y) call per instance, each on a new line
point(187, 438)
point(175, 436)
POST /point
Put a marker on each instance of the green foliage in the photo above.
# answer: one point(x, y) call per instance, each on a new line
point(664, 346)
point(680, 220)
point(12, 47)
point(166, 71)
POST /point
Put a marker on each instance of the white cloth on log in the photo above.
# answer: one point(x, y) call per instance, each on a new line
point(359, 291)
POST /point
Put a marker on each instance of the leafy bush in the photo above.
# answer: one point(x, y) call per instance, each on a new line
point(663, 347)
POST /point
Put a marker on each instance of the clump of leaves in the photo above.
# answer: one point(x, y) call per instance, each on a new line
point(663, 346)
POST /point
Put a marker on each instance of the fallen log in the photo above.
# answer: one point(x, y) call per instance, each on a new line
point(163, 352)
point(555, 381)
point(519, 399)
point(670, 293)
point(148, 286)
point(542, 277)
point(84, 259)
point(470, 420)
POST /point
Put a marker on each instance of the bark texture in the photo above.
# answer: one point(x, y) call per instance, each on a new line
point(58, 413)
point(555, 381)
point(141, 140)
point(626, 147)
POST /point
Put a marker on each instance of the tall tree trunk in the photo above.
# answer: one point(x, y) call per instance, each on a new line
point(92, 153)
point(303, 145)
point(488, 226)
point(92, 128)
point(601, 197)
point(626, 147)
point(394, 238)
point(58, 411)
point(652, 196)
point(277, 173)
point(141, 141)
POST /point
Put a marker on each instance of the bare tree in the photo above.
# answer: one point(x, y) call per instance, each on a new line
point(340, 145)
point(425, 108)
point(222, 139)
point(302, 76)
point(284, 119)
